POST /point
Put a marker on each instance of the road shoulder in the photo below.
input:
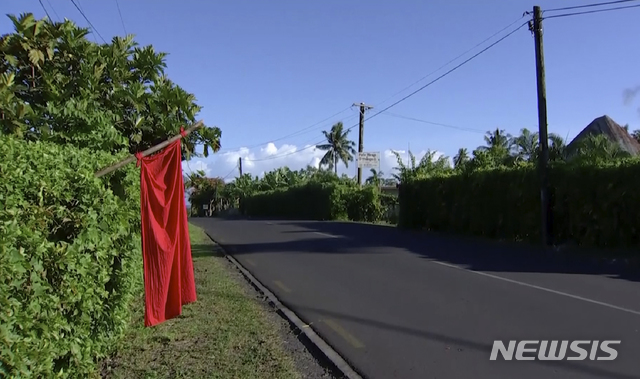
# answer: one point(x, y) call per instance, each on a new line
point(229, 332)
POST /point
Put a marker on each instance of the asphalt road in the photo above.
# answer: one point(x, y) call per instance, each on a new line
point(399, 304)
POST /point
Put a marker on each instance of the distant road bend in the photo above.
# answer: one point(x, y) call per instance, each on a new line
point(399, 304)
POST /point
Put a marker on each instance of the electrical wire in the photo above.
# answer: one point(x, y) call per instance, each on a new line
point(311, 146)
point(452, 60)
point(45, 9)
point(593, 11)
point(387, 99)
point(412, 93)
point(299, 132)
point(434, 123)
point(89, 22)
point(53, 9)
point(588, 5)
point(230, 172)
point(121, 19)
point(451, 70)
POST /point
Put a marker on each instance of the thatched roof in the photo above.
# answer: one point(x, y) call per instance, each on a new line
point(614, 132)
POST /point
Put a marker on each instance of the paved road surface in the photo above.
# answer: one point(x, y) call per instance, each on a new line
point(407, 305)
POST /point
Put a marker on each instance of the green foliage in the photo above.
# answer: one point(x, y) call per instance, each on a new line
point(594, 204)
point(70, 245)
point(362, 204)
point(427, 166)
point(57, 85)
point(318, 201)
point(497, 203)
point(313, 201)
point(597, 205)
point(70, 258)
point(338, 147)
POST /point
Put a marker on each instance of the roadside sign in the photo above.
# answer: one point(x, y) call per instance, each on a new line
point(205, 206)
point(369, 160)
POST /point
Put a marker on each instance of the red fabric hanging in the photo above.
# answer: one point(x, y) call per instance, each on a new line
point(166, 248)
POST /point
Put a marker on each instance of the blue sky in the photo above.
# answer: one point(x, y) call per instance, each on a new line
point(264, 70)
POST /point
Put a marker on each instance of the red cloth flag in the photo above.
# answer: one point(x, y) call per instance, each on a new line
point(166, 248)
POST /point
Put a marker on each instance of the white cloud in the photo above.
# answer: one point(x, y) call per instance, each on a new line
point(260, 160)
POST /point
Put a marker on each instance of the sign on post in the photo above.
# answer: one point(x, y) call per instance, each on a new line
point(369, 160)
point(205, 206)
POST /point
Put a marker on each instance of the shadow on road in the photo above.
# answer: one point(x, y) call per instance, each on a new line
point(581, 367)
point(468, 252)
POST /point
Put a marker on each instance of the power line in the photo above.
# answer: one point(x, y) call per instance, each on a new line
point(450, 71)
point(390, 97)
point(53, 9)
point(452, 60)
point(45, 9)
point(299, 132)
point(121, 19)
point(230, 172)
point(89, 22)
point(588, 5)
point(412, 93)
point(593, 11)
point(291, 153)
point(421, 88)
point(434, 123)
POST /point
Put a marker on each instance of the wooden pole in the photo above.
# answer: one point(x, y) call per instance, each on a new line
point(542, 128)
point(363, 108)
point(149, 151)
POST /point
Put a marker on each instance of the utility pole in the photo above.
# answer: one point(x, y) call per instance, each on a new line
point(240, 165)
point(545, 214)
point(363, 108)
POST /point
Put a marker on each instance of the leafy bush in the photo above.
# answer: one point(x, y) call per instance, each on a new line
point(499, 203)
point(593, 206)
point(362, 204)
point(317, 201)
point(598, 205)
point(69, 260)
point(314, 201)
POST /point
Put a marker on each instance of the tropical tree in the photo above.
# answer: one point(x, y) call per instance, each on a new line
point(461, 159)
point(497, 140)
point(376, 177)
point(525, 145)
point(56, 85)
point(338, 147)
point(557, 148)
point(427, 166)
point(636, 134)
point(596, 148)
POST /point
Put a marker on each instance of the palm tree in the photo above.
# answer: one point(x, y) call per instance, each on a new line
point(557, 147)
point(525, 145)
point(461, 158)
point(496, 140)
point(338, 147)
point(375, 178)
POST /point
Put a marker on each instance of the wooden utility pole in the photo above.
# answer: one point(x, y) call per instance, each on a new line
point(363, 108)
point(545, 209)
point(240, 165)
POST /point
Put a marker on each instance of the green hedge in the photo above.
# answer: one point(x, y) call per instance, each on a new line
point(69, 259)
point(313, 201)
point(317, 201)
point(592, 206)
